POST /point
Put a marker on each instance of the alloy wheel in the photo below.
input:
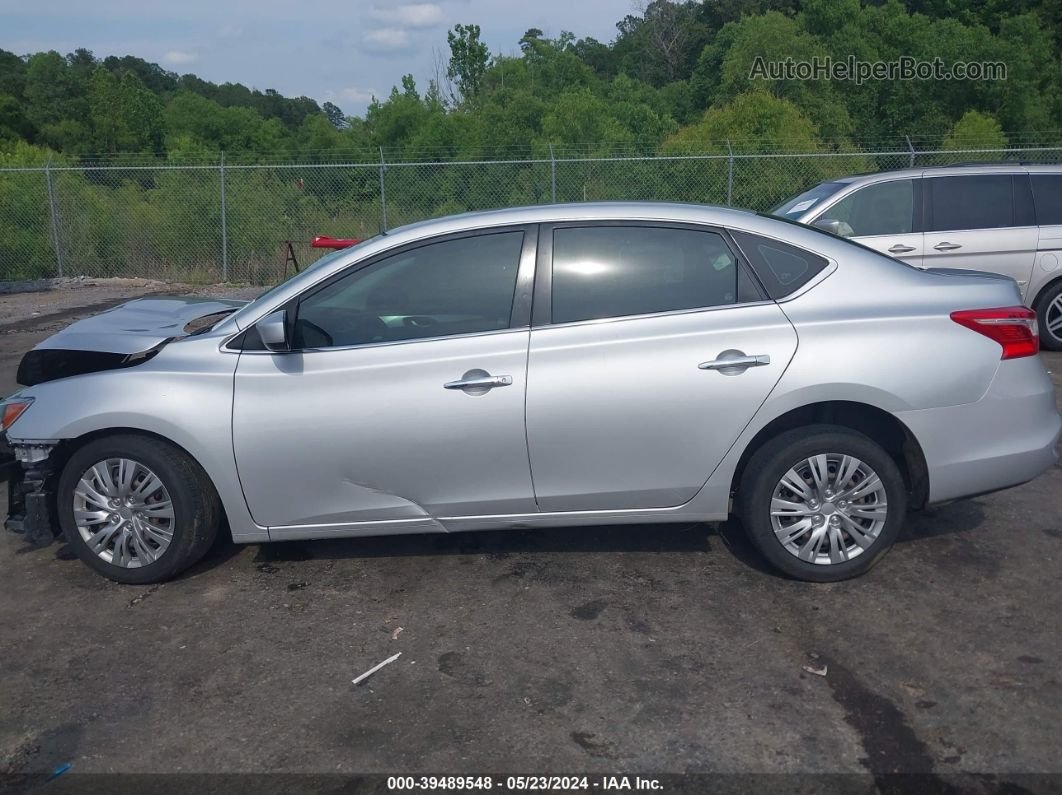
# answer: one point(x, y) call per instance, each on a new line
point(1053, 318)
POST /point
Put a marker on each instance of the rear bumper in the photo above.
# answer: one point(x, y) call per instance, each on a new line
point(1004, 439)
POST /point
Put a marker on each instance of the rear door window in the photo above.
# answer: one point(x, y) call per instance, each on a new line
point(977, 201)
point(617, 271)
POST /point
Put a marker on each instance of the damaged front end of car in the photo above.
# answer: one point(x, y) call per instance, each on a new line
point(120, 338)
point(30, 492)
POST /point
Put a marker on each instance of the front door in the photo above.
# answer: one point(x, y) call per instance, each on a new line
point(882, 216)
point(403, 398)
point(659, 352)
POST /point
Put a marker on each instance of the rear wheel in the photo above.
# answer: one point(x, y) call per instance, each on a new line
point(136, 509)
point(822, 503)
point(1049, 317)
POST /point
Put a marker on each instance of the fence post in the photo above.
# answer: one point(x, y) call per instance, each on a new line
point(729, 173)
point(224, 226)
point(54, 214)
point(383, 192)
point(552, 175)
point(911, 149)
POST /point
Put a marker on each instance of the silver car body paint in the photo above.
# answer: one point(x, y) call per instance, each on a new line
point(620, 424)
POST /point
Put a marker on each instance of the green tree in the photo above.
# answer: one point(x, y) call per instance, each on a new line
point(335, 115)
point(725, 69)
point(976, 131)
point(661, 44)
point(56, 102)
point(126, 117)
point(468, 60)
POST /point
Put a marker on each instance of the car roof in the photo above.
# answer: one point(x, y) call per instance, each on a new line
point(577, 211)
point(954, 168)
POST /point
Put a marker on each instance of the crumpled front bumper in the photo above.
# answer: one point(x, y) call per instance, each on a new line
point(30, 480)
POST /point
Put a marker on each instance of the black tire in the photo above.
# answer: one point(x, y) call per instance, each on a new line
point(1048, 341)
point(196, 507)
point(770, 463)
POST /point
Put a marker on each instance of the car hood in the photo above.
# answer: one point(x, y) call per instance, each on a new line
point(138, 325)
point(124, 336)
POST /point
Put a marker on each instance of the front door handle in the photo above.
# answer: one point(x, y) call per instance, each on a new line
point(900, 248)
point(478, 382)
point(946, 246)
point(734, 362)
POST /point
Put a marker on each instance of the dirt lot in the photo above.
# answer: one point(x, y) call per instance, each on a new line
point(615, 650)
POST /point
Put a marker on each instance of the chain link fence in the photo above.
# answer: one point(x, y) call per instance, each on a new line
point(240, 222)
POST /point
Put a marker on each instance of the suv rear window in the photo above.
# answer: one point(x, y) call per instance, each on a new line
point(783, 269)
point(975, 201)
point(1047, 194)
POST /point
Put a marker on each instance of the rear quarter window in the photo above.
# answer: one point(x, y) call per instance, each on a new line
point(1047, 194)
point(782, 269)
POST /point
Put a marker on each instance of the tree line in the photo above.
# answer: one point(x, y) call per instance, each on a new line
point(677, 76)
point(675, 80)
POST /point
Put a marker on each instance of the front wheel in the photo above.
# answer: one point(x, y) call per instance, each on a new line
point(1049, 317)
point(136, 509)
point(822, 503)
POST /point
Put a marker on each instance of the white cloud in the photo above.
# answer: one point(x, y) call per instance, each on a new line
point(410, 15)
point(356, 95)
point(387, 39)
point(179, 57)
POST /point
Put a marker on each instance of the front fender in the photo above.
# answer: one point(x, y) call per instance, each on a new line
point(183, 395)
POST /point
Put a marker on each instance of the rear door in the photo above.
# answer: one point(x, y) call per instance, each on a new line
point(630, 400)
point(981, 222)
point(884, 216)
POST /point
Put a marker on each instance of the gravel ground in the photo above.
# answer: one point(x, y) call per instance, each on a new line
point(611, 650)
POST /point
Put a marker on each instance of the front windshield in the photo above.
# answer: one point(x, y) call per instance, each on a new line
point(798, 205)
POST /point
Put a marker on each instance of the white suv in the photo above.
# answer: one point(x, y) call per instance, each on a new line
point(1004, 218)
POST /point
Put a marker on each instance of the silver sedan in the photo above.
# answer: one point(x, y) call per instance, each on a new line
point(590, 364)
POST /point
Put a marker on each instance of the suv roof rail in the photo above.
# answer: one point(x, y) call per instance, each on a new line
point(996, 163)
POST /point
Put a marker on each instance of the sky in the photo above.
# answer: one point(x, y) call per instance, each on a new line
point(343, 52)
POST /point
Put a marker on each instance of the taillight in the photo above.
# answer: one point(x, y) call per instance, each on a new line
point(1013, 327)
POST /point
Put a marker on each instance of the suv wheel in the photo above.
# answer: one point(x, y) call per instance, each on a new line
point(822, 503)
point(136, 509)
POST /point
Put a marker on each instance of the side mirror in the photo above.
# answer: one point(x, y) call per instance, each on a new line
point(831, 225)
point(273, 329)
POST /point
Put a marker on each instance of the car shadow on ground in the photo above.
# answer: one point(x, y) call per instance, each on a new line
point(957, 517)
point(687, 537)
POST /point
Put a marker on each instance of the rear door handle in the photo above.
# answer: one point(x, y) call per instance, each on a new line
point(483, 382)
point(735, 362)
point(946, 246)
point(900, 248)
